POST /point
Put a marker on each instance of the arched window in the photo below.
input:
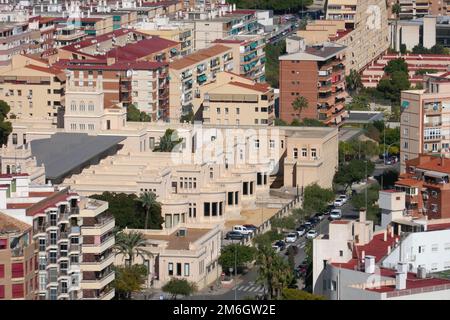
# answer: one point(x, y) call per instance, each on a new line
point(82, 106)
point(8, 169)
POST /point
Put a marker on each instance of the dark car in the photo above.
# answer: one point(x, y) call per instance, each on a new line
point(234, 235)
point(307, 225)
point(251, 227)
point(316, 219)
point(313, 221)
point(280, 244)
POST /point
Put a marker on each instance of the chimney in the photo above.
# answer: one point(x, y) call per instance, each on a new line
point(369, 264)
point(3, 191)
point(401, 275)
point(362, 215)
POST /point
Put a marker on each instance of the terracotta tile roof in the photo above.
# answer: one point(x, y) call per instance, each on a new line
point(48, 202)
point(75, 47)
point(39, 194)
point(51, 70)
point(8, 224)
point(102, 65)
point(438, 226)
point(145, 47)
point(409, 182)
point(18, 205)
point(257, 86)
point(199, 56)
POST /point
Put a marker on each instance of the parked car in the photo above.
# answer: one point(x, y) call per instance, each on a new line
point(311, 234)
point(242, 229)
point(234, 235)
point(335, 214)
point(316, 220)
point(300, 231)
point(307, 225)
point(281, 244)
point(312, 221)
point(276, 248)
point(343, 197)
point(251, 227)
point(290, 237)
point(319, 215)
point(338, 203)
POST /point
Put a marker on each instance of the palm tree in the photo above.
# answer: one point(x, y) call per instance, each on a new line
point(273, 271)
point(299, 104)
point(353, 80)
point(131, 245)
point(168, 141)
point(148, 201)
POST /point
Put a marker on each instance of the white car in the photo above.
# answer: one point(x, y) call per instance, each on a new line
point(290, 238)
point(311, 234)
point(243, 230)
point(343, 197)
point(336, 214)
point(338, 203)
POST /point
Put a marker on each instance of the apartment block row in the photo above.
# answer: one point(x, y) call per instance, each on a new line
point(56, 245)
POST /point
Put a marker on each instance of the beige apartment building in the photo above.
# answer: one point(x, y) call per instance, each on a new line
point(254, 104)
point(188, 74)
point(184, 252)
point(425, 119)
point(366, 33)
point(32, 89)
point(73, 235)
point(182, 33)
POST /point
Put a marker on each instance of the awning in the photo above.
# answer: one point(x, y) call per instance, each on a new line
point(202, 78)
point(435, 174)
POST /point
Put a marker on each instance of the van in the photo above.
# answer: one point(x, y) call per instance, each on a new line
point(242, 230)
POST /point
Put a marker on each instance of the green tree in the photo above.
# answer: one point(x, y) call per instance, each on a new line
point(5, 126)
point(135, 115)
point(396, 9)
point(148, 201)
point(353, 81)
point(396, 65)
point(178, 287)
point(403, 49)
point(388, 179)
point(267, 238)
point(316, 199)
point(189, 117)
point(359, 102)
point(359, 202)
point(128, 212)
point(273, 271)
point(424, 71)
point(273, 52)
point(283, 223)
point(236, 255)
point(294, 294)
point(131, 245)
point(352, 172)
point(128, 279)
point(299, 104)
point(307, 122)
point(280, 122)
point(168, 141)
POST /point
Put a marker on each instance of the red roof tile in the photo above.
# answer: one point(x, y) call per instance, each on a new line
point(257, 86)
point(140, 49)
point(48, 202)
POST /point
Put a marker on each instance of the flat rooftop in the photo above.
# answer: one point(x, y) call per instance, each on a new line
point(64, 152)
point(363, 116)
point(180, 243)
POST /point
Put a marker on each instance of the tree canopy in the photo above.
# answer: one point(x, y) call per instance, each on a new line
point(352, 172)
point(135, 115)
point(273, 52)
point(128, 212)
point(168, 141)
point(436, 49)
point(129, 279)
point(316, 199)
point(243, 254)
point(353, 81)
point(178, 287)
point(294, 294)
point(5, 126)
point(131, 245)
point(396, 65)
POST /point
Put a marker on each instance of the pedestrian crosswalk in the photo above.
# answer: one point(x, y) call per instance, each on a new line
point(251, 288)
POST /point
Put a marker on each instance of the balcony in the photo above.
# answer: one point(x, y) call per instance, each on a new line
point(99, 248)
point(75, 248)
point(17, 252)
point(104, 225)
point(75, 230)
point(74, 211)
point(99, 264)
point(433, 124)
point(98, 283)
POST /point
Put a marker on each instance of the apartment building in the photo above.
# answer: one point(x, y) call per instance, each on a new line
point(190, 73)
point(358, 264)
point(144, 84)
point(424, 122)
point(18, 276)
point(366, 32)
point(426, 185)
point(254, 104)
point(17, 38)
point(67, 35)
point(170, 30)
point(316, 73)
point(410, 9)
point(188, 252)
point(33, 89)
point(252, 57)
point(73, 235)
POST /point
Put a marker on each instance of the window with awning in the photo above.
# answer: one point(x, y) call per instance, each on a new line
point(202, 78)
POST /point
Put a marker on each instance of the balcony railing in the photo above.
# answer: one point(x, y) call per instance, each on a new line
point(75, 210)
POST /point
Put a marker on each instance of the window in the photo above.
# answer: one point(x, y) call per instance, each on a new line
point(17, 270)
point(257, 143)
point(170, 269)
point(17, 291)
point(341, 253)
point(304, 153)
point(82, 106)
point(256, 121)
point(91, 106)
point(74, 259)
point(245, 188)
point(226, 110)
point(447, 246)
point(2, 271)
point(24, 138)
point(73, 126)
point(14, 138)
point(256, 109)
point(421, 249)
point(53, 237)
point(218, 110)
point(282, 144)
point(52, 256)
point(236, 197)
point(186, 269)
point(295, 153)
point(73, 106)
point(178, 269)
point(405, 145)
point(435, 247)
point(237, 111)
point(405, 132)
point(314, 153)
point(272, 144)
point(206, 209)
point(2, 291)
point(434, 207)
point(91, 127)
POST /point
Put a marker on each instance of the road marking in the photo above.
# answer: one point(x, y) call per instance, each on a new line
point(246, 288)
point(261, 289)
point(241, 287)
point(253, 289)
point(302, 245)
